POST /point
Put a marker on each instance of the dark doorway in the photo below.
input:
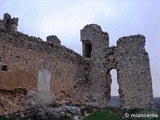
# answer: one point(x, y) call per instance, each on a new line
point(88, 49)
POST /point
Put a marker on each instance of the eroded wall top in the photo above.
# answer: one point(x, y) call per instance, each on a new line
point(9, 23)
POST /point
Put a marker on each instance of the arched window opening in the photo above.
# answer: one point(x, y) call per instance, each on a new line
point(114, 100)
point(87, 49)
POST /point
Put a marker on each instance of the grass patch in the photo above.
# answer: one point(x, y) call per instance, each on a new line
point(146, 112)
point(15, 117)
point(104, 114)
point(112, 113)
point(7, 118)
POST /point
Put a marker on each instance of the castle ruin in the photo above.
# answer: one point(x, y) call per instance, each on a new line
point(29, 64)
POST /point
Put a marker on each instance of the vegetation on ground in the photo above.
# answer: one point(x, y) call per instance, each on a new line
point(112, 113)
point(19, 117)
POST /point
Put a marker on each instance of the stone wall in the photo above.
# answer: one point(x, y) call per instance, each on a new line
point(2, 26)
point(29, 63)
point(12, 101)
point(9, 23)
point(22, 58)
point(130, 60)
point(134, 75)
point(92, 34)
point(109, 64)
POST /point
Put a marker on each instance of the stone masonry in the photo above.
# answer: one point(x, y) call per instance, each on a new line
point(31, 64)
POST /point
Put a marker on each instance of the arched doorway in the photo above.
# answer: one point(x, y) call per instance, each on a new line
point(114, 87)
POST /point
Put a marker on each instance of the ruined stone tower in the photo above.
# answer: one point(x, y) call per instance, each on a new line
point(34, 66)
point(95, 42)
point(130, 60)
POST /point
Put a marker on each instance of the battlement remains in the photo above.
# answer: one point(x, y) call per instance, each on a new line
point(131, 41)
point(9, 23)
point(53, 40)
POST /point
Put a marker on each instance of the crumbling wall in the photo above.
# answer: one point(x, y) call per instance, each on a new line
point(134, 75)
point(8, 23)
point(2, 26)
point(22, 57)
point(12, 101)
point(130, 60)
point(110, 63)
point(95, 42)
point(28, 62)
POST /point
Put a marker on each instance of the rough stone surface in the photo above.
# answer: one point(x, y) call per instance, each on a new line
point(134, 76)
point(36, 100)
point(12, 101)
point(65, 112)
point(97, 77)
point(9, 24)
point(53, 40)
point(130, 60)
point(29, 63)
point(22, 57)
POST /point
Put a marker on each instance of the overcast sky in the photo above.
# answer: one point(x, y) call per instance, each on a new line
point(65, 18)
